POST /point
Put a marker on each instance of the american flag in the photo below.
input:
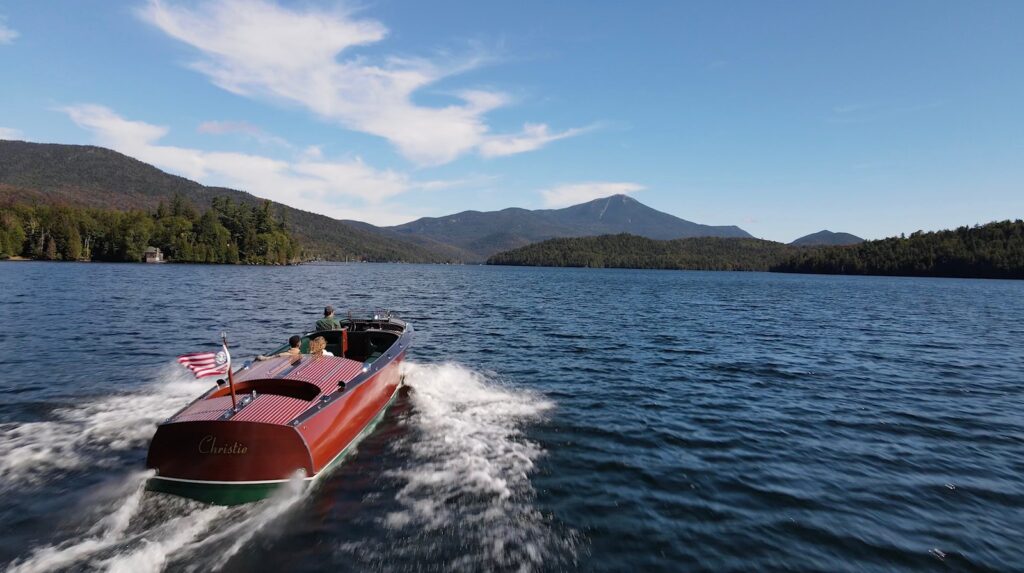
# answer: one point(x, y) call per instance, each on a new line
point(207, 363)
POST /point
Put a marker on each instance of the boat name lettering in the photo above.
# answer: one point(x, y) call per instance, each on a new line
point(209, 445)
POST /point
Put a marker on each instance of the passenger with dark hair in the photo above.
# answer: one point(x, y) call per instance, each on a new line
point(328, 322)
point(293, 349)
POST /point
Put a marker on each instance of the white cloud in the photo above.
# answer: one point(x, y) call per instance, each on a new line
point(348, 189)
point(243, 128)
point(574, 193)
point(313, 152)
point(10, 133)
point(223, 127)
point(7, 34)
point(259, 49)
point(533, 136)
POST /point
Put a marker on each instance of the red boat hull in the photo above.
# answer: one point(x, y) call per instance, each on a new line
point(231, 461)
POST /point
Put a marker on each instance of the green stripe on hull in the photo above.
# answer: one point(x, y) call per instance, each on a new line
point(237, 494)
point(217, 494)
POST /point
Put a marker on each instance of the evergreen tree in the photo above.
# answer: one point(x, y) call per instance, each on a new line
point(228, 232)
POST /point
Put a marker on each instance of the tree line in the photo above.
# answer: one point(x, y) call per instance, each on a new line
point(995, 250)
point(227, 232)
point(633, 252)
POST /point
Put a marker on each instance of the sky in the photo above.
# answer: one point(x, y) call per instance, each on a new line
point(785, 118)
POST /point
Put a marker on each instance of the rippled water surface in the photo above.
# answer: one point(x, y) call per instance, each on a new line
point(554, 419)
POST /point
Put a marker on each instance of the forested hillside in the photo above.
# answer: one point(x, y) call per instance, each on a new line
point(95, 177)
point(227, 232)
point(629, 251)
point(995, 250)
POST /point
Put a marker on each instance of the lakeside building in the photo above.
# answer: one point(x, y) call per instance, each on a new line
point(153, 255)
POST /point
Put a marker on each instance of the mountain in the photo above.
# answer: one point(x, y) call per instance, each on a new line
point(482, 234)
point(88, 176)
point(827, 239)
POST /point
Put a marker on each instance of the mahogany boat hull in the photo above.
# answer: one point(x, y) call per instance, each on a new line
point(236, 492)
point(241, 455)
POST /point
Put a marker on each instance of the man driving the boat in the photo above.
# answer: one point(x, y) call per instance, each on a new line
point(328, 322)
point(293, 349)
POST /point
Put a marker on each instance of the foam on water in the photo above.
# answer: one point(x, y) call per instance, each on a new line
point(139, 532)
point(91, 433)
point(104, 534)
point(147, 532)
point(249, 521)
point(468, 469)
point(465, 472)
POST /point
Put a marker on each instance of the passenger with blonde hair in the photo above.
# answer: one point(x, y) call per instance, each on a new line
point(318, 347)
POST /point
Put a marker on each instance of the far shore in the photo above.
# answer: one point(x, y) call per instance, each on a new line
point(26, 259)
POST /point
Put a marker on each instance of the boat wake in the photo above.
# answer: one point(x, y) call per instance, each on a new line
point(132, 530)
point(462, 491)
point(144, 533)
point(92, 433)
point(465, 482)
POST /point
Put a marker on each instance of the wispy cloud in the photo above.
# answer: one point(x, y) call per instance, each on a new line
point(7, 34)
point(10, 133)
point(347, 189)
point(533, 136)
point(263, 50)
point(573, 193)
point(242, 128)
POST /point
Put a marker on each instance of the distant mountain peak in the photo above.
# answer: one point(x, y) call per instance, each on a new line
point(827, 238)
point(490, 232)
point(91, 176)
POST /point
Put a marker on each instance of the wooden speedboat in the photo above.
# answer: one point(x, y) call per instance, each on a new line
point(293, 414)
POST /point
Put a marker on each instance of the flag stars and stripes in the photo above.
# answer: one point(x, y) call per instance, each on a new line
point(204, 364)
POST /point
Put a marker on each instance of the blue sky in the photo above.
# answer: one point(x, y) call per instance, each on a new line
point(785, 118)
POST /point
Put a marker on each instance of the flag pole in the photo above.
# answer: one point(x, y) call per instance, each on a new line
point(231, 377)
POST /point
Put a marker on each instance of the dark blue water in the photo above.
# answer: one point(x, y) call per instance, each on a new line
point(555, 419)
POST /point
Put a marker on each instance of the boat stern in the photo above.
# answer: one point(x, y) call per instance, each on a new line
point(226, 462)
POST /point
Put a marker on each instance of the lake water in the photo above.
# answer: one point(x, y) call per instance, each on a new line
point(555, 419)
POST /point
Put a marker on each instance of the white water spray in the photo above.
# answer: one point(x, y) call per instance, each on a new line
point(467, 473)
point(129, 538)
point(92, 432)
point(469, 468)
point(104, 534)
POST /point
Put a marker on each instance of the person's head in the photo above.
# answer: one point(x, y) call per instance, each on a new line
point(317, 346)
point(294, 341)
point(328, 310)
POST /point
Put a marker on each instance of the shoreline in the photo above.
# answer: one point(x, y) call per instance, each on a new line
point(325, 262)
